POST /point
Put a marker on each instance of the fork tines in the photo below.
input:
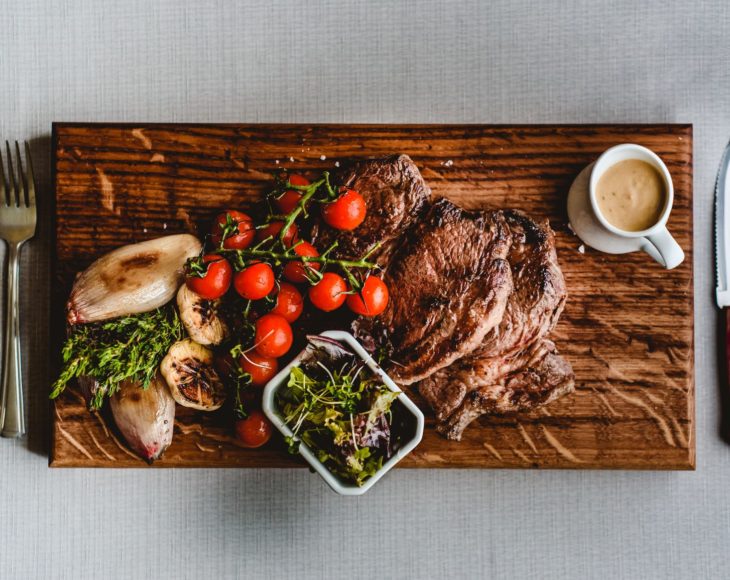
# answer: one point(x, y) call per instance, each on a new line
point(17, 188)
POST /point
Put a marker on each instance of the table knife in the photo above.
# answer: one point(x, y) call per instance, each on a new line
point(722, 243)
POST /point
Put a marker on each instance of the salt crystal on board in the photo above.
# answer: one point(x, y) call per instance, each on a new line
point(322, 157)
point(291, 159)
point(337, 163)
point(582, 249)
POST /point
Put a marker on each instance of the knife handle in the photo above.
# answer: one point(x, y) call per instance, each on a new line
point(727, 342)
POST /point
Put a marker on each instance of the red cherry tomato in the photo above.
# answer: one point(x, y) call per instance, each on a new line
point(290, 198)
point(254, 430)
point(289, 302)
point(216, 280)
point(297, 179)
point(273, 229)
point(329, 293)
point(254, 281)
point(288, 201)
point(296, 271)
point(241, 238)
point(372, 298)
point(346, 212)
point(273, 336)
point(261, 368)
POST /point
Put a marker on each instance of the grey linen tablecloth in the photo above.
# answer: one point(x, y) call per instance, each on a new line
point(360, 61)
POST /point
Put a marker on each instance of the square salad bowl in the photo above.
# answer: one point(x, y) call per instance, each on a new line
point(414, 417)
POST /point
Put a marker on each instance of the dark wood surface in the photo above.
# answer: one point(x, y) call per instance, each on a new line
point(627, 327)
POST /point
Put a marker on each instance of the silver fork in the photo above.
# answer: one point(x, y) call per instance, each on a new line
point(17, 225)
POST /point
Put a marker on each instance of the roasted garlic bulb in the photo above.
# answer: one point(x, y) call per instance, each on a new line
point(200, 317)
point(188, 370)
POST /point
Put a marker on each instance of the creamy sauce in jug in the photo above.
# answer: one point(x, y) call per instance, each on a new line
point(631, 195)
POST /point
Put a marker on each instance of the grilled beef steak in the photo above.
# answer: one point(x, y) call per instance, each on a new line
point(449, 284)
point(396, 198)
point(535, 377)
point(515, 368)
point(473, 295)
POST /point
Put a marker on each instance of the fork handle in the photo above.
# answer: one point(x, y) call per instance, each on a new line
point(12, 417)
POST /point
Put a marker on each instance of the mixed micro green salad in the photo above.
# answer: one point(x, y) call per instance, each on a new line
point(340, 409)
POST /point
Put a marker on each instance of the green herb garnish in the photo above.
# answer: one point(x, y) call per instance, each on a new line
point(126, 348)
point(342, 414)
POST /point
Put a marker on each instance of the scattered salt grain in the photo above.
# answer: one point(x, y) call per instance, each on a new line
point(164, 226)
point(582, 249)
point(291, 159)
point(144, 230)
point(322, 157)
point(449, 163)
point(337, 163)
point(277, 161)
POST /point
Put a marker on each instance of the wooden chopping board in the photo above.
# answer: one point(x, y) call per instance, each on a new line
point(627, 328)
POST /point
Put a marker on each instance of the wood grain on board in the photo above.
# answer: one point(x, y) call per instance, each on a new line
point(627, 328)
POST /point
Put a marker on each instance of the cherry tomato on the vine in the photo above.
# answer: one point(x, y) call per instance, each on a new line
point(272, 230)
point(261, 368)
point(243, 234)
point(289, 302)
point(329, 293)
point(273, 336)
point(296, 179)
point(254, 430)
point(346, 212)
point(372, 298)
point(216, 280)
point(296, 271)
point(288, 200)
point(254, 281)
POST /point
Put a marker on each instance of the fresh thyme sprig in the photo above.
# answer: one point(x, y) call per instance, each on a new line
point(127, 348)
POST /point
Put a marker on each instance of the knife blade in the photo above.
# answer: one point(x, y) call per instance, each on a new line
point(722, 231)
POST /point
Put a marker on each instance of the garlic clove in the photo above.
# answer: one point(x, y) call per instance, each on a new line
point(188, 370)
point(200, 317)
point(132, 279)
point(145, 417)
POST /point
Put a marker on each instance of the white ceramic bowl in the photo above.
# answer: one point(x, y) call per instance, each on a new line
point(338, 484)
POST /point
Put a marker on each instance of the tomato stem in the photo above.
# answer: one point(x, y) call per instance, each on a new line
point(275, 250)
point(309, 191)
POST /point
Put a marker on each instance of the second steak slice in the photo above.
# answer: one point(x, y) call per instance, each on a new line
point(449, 284)
point(516, 368)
